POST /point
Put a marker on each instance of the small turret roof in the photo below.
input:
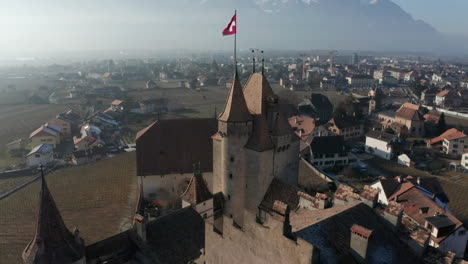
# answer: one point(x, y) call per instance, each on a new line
point(53, 242)
point(236, 108)
point(197, 190)
point(260, 139)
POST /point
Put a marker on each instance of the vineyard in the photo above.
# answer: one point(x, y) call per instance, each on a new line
point(99, 199)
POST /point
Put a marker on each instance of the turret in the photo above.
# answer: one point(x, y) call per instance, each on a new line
point(234, 129)
point(53, 242)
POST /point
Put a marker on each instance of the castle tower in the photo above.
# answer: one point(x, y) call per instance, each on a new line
point(375, 102)
point(234, 130)
point(53, 242)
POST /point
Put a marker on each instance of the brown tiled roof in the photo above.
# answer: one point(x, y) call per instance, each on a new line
point(256, 91)
point(403, 187)
point(369, 193)
point(329, 230)
point(389, 185)
point(443, 93)
point(197, 190)
point(410, 112)
point(413, 200)
point(343, 192)
point(450, 133)
point(282, 192)
point(235, 109)
point(175, 145)
point(431, 118)
point(53, 243)
point(394, 208)
point(303, 125)
point(260, 139)
point(117, 102)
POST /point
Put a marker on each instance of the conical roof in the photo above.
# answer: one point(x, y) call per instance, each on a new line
point(53, 242)
point(281, 127)
point(256, 92)
point(197, 190)
point(236, 108)
point(260, 139)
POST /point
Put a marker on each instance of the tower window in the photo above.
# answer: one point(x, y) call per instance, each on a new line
point(230, 175)
point(229, 197)
point(232, 159)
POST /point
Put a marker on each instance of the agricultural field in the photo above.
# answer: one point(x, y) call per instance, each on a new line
point(99, 199)
point(18, 121)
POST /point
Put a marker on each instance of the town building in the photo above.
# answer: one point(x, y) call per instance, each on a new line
point(428, 96)
point(40, 155)
point(348, 128)
point(361, 81)
point(448, 98)
point(451, 142)
point(326, 152)
point(318, 107)
point(380, 144)
point(64, 124)
point(46, 134)
point(412, 117)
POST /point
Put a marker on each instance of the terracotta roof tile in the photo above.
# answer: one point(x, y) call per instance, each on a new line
point(450, 134)
point(235, 109)
point(256, 92)
point(361, 231)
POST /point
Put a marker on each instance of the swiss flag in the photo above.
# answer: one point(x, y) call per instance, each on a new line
point(231, 29)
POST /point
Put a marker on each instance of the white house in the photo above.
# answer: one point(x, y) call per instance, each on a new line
point(40, 155)
point(404, 160)
point(379, 144)
point(464, 160)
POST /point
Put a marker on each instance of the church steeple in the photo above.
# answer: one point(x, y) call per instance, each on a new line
point(236, 108)
point(53, 242)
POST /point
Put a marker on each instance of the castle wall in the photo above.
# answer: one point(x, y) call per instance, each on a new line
point(259, 173)
point(254, 244)
point(168, 187)
point(286, 160)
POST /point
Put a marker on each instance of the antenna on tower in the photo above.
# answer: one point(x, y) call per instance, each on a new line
point(263, 63)
point(253, 50)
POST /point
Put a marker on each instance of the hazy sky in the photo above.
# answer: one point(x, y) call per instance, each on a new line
point(447, 16)
point(38, 25)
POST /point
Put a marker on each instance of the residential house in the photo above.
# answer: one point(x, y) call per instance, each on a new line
point(411, 116)
point(151, 85)
point(117, 105)
point(325, 152)
point(87, 143)
point(46, 134)
point(64, 124)
point(464, 160)
point(348, 128)
point(380, 144)
point(15, 146)
point(448, 98)
point(398, 74)
point(410, 76)
point(405, 160)
point(453, 142)
point(428, 96)
point(318, 107)
point(87, 156)
point(40, 155)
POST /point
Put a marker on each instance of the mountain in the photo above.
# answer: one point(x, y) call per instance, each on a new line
point(379, 25)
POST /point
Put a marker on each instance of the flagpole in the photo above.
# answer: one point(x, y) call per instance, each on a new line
point(235, 44)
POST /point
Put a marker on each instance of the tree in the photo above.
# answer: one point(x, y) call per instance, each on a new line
point(389, 130)
point(441, 126)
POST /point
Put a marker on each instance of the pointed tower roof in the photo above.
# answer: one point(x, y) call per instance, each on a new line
point(197, 190)
point(260, 139)
point(53, 242)
point(236, 108)
point(282, 127)
point(256, 92)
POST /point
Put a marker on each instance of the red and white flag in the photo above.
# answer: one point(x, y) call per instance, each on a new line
point(231, 29)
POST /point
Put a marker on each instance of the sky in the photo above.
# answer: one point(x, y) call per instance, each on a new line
point(63, 25)
point(447, 16)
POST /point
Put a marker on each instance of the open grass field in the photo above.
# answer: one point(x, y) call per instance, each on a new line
point(99, 199)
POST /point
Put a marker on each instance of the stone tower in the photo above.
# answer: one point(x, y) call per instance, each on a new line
point(53, 242)
point(234, 130)
point(375, 102)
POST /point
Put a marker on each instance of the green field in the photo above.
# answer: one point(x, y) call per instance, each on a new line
point(98, 198)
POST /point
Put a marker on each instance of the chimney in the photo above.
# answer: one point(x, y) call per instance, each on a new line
point(360, 237)
point(433, 197)
point(398, 179)
point(419, 180)
point(140, 226)
point(300, 133)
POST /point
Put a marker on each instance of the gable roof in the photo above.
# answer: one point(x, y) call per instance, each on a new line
point(44, 129)
point(174, 145)
point(41, 149)
point(280, 191)
point(413, 200)
point(330, 231)
point(197, 190)
point(381, 135)
point(257, 90)
point(235, 109)
point(450, 134)
point(327, 145)
point(410, 112)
